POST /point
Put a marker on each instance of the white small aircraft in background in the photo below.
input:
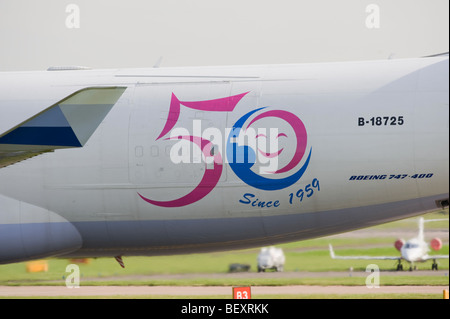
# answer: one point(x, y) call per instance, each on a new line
point(413, 250)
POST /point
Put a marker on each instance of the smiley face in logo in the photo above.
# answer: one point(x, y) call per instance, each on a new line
point(242, 158)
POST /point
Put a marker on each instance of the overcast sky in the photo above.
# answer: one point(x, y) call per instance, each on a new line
point(135, 33)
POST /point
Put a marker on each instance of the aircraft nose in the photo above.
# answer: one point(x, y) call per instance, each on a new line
point(407, 255)
point(411, 254)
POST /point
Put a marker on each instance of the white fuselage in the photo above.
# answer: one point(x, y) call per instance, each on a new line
point(375, 148)
point(415, 250)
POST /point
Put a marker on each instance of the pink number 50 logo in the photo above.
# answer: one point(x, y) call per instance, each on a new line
point(241, 158)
